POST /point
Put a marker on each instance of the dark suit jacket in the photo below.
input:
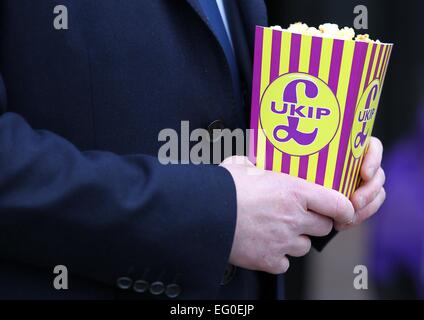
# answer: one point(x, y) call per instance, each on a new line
point(80, 184)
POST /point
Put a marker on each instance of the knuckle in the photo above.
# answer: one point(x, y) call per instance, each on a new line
point(296, 196)
point(271, 263)
point(292, 221)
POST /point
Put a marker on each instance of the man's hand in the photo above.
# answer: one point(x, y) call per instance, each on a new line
point(276, 213)
point(368, 198)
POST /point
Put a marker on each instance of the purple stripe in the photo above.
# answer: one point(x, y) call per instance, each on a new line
point(333, 79)
point(352, 95)
point(303, 167)
point(256, 84)
point(295, 52)
point(315, 56)
point(336, 61)
point(273, 74)
point(275, 56)
point(321, 166)
point(285, 163)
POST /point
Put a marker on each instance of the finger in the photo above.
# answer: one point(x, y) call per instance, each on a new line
point(277, 265)
point(285, 264)
point(301, 245)
point(366, 212)
point(371, 208)
point(327, 202)
point(368, 190)
point(316, 225)
point(372, 159)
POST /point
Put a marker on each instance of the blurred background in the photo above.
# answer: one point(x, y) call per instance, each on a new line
point(391, 245)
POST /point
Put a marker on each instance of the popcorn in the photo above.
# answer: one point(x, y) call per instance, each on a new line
point(312, 31)
point(329, 30)
point(363, 37)
point(346, 33)
point(298, 27)
point(276, 28)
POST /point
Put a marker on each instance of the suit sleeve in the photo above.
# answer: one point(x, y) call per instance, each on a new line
point(106, 216)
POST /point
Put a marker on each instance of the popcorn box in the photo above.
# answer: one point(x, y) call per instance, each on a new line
point(314, 102)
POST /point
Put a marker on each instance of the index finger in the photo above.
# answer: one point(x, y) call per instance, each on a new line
point(328, 202)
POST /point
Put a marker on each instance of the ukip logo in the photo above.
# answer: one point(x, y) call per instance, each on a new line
point(299, 114)
point(364, 118)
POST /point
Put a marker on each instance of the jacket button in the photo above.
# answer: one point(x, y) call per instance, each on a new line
point(229, 274)
point(157, 288)
point(141, 286)
point(215, 125)
point(124, 283)
point(173, 290)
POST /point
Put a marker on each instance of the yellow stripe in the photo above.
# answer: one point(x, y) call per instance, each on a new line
point(323, 74)
point(305, 53)
point(285, 52)
point(265, 70)
point(294, 166)
point(276, 162)
point(343, 83)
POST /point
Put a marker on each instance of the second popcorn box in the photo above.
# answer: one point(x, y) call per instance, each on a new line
point(314, 102)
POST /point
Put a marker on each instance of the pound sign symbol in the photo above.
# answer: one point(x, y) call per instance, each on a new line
point(290, 96)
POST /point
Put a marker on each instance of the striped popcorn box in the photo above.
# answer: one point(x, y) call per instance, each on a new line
point(314, 101)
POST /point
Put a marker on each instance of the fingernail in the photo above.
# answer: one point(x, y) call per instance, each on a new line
point(351, 222)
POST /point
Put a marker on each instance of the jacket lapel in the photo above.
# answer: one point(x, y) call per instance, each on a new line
point(243, 16)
